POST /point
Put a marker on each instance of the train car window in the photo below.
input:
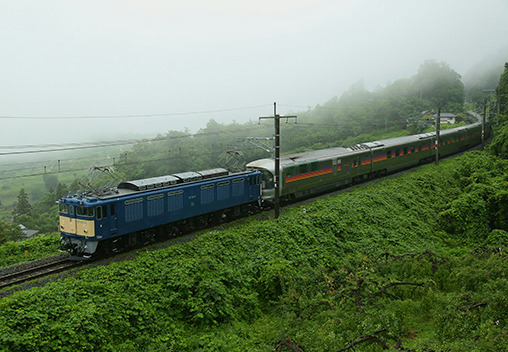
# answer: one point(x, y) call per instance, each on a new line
point(267, 180)
point(71, 209)
point(302, 168)
point(388, 154)
point(405, 150)
point(112, 210)
point(291, 171)
point(63, 208)
point(412, 150)
point(314, 166)
point(99, 213)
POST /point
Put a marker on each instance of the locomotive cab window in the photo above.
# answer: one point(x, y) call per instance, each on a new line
point(63, 208)
point(85, 211)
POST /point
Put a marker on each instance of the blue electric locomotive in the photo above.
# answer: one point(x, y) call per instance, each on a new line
point(137, 211)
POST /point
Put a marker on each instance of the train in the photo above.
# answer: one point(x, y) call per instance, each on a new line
point(138, 211)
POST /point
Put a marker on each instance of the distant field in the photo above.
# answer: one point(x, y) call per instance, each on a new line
point(15, 174)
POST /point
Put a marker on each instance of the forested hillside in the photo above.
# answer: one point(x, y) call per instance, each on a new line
point(417, 262)
point(358, 115)
point(414, 262)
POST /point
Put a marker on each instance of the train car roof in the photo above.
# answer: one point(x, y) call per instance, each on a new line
point(341, 152)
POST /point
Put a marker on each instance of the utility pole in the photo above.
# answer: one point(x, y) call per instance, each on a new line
point(276, 178)
point(438, 126)
point(483, 123)
point(485, 101)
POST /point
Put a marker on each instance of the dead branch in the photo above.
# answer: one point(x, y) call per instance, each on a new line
point(471, 306)
point(288, 344)
point(372, 338)
point(385, 287)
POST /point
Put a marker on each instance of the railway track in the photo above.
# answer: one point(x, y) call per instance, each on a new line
point(59, 264)
point(36, 272)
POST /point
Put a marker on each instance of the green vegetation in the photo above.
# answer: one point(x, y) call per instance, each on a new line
point(41, 246)
point(357, 116)
point(416, 261)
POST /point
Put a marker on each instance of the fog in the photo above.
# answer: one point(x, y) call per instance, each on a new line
point(159, 65)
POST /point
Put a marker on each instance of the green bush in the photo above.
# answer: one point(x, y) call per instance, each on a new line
point(376, 261)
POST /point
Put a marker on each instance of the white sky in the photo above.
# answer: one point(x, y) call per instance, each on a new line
point(65, 58)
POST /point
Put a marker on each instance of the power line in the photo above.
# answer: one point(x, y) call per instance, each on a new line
point(136, 116)
point(136, 162)
point(91, 145)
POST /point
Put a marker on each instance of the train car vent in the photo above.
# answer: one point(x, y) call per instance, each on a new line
point(357, 147)
point(188, 176)
point(149, 183)
point(212, 173)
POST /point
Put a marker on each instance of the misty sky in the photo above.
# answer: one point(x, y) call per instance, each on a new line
point(64, 58)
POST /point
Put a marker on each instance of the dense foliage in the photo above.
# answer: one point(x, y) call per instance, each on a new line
point(417, 261)
point(41, 246)
point(9, 232)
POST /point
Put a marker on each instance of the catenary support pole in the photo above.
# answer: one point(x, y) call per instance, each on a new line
point(438, 126)
point(276, 156)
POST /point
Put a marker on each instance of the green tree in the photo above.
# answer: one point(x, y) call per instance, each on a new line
point(50, 181)
point(61, 190)
point(499, 145)
point(440, 85)
point(9, 232)
point(502, 91)
point(23, 206)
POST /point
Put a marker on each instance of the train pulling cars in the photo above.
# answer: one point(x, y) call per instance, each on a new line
point(138, 211)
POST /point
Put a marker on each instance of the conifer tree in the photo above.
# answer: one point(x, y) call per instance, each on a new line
point(23, 206)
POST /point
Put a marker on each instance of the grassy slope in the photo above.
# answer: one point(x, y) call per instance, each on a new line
point(320, 275)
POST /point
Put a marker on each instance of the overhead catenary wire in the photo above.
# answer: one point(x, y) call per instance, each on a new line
point(123, 163)
point(136, 116)
point(90, 145)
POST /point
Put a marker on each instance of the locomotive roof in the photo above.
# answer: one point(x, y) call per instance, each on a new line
point(161, 182)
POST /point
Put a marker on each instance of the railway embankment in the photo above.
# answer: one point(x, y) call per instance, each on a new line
point(415, 262)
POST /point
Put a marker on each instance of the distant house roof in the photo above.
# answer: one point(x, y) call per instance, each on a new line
point(445, 115)
point(28, 233)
